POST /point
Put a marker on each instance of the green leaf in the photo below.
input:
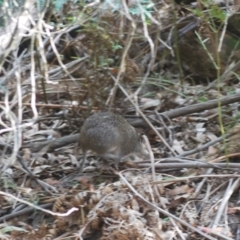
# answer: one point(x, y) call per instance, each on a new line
point(12, 228)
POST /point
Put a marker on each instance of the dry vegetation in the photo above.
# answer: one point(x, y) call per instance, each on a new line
point(171, 68)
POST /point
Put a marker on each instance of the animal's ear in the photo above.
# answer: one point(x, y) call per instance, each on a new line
point(140, 131)
point(140, 136)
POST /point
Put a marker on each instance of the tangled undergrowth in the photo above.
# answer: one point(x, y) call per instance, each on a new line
point(171, 68)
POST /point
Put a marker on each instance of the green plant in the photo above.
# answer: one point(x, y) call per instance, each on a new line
point(58, 4)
